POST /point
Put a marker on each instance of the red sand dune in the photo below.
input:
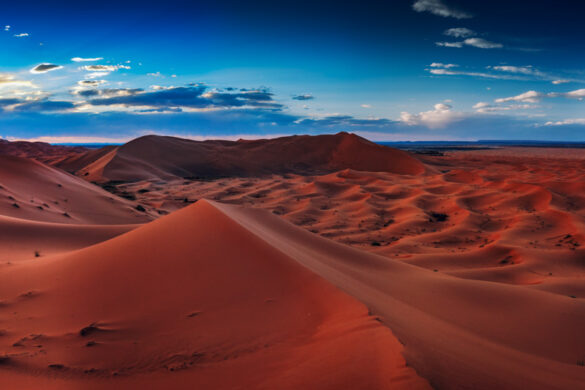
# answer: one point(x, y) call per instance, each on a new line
point(33, 191)
point(158, 157)
point(193, 299)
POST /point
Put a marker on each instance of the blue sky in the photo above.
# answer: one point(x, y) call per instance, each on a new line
point(387, 70)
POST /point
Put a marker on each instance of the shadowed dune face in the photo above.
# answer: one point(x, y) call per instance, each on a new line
point(157, 157)
point(193, 298)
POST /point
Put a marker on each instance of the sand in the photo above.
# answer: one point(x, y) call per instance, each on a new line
point(193, 298)
point(34, 191)
point(464, 274)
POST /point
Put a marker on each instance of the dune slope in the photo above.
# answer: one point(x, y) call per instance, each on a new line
point(194, 298)
point(33, 191)
point(22, 239)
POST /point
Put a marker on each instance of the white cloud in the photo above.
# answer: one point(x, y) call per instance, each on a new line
point(95, 75)
point(439, 117)
point(156, 74)
point(575, 121)
point(365, 106)
point(534, 96)
point(459, 32)
point(482, 43)
point(526, 97)
point(80, 59)
point(104, 68)
point(485, 108)
point(458, 45)
point(577, 94)
point(21, 35)
point(481, 105)
point(7, 28)
point(441, 65)
point(448, 72)
point(437, 7)
point(557, 82)
point(527, 70)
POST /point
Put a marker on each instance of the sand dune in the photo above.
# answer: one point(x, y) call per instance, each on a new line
point(33, 191)
point(157, 157)
point(194, 298)
point(475, 263)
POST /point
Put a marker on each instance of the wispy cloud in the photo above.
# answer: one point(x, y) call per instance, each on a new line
point(566, 122)
point(484, 107)
point(535, 96)
point(457, 45)
point(482, 43)
point(21, 35)
point(527, 70)
point(437, 7)
point(81, 59)
point(484, 75)
point(104, 68)
point(459, 32)
point(479, 43)
point(442, 65)
point(499, 72)
point(526, 97)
